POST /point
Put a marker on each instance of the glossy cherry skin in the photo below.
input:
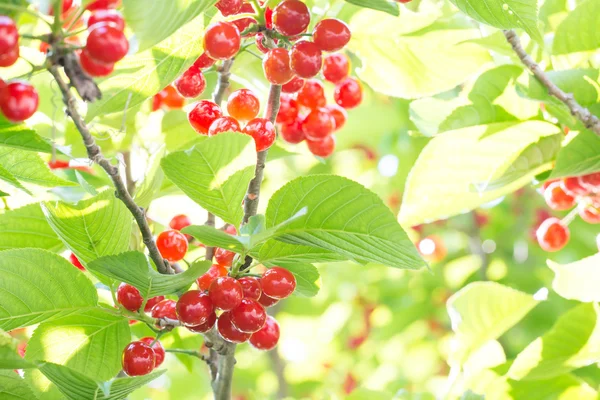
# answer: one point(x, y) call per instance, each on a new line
point(552, 234)
point(291, 17)
point(164, 309)
point(288, 110)
point(214, 272)
point(224, 257)
point(318, 124)
point(172, 245)
point(348, 93)
point(179, 222)
point(339, 115)
point(276, 66)
point(9, 36)
point(18, 101)
point(590, 214)
point(244, 23)
point(267, 301)
point(206, 326)
point(10, 57)
point(230, 229)
point(103, 4)
point(267, 337)
point(229, 7)
point(106, 44)
point(573, 187)
point(305, 59)
point(243, 105)
point(204, 61)
point(75, 261)
point(228, 331)
point(331, 34)
point(336, 67)
point(152, 302)
point(263, 132)
point(94, 68)
point(557, 199)
point(138, 359)
point(222, 40)
point(172, 99)
point(293, 133)
point(203, 114)
point(224, 124)
point(159, 350)
point(191, 83)
point(322, 148)
point(194, 308)
point(312, 94)
point(591, 181)
point(293, 86)
point(249, 316)
point(226, 293)
point(110, 17)
point(251, 287)
point(129, 297)
point(278, 283)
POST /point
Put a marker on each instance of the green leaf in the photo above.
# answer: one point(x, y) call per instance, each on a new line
point(212, 237)
point(582, 83)
point(155, 21)
point(423, 63)
point(573, 342)
point(13, 387)
point(9, 357)
point(580, 156)
point(578, 280)
point(379, 5)
point(92, 228)
point(458, 165)
point(343, 217)
point(28, 167)
point(141, 76)
point(27, 227)
point(85, 184)
point(480, 113)
point(133, 268)
point(215, 173)
point(20, 136)
point(564, 387)
point(504, 14)
point(427, 122)
point(275, 252)
point(37, 285)
point(577, 32)
point(152, 182)
point(483, 311)
point(177, 131)
point(307, 277)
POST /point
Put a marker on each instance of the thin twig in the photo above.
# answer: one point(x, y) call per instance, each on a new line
point(192, 353)
point(583, 114)
point(128, 175)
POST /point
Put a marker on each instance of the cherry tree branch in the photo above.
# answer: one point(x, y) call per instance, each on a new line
point(583, 114)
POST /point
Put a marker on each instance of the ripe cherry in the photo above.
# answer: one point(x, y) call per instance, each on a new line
point(312, 94)
point(152, 302)
point(194, 308)
point(226, 293)
point(106, 44)
point(244, 23)
point(230, 229)
point(138, 359)
point(251, 287)
point(331, 34)
point(179, 222)
point(591, 181)
point(291, 17)
point(222, 40)
point(65, 7)
point(204, 61)
point(214, 272)
point(172, 245)
point(276, 66)
point(75, 261)
point(552, 234)
point(318, 124)
point(103, 4)
point(249, 316)
point(288, 110)
point(267, 301)
point(336, 67)
point(305, 59)
point(107, 17)
point(224, 124)
point(322, 148)
point(94, 68)
point(339, 115)
point(573, 187)
point(228, 331)
point(10, 57)
point(293, 86)
point(348, 93)
point(292, 133)
point(589, 213)
point(18, 101)
point(263, 132)
point(224, 257)
point(58, 164)
point(164, 309)
point(9, 41)
point(267, 337)
point(191, 83)
point(229, 7)
point(203, 114)
point(557, 199)
point(157, 100)
point(269, 18)
point(243, 105)
point(172, 99)
point(206, 326)
point(159, 350)
point(278, 282)
point(129, 297)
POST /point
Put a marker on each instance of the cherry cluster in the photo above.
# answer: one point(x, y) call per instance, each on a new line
point(564, 194)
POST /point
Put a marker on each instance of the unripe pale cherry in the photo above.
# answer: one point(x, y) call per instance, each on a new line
point(278, 282)
point(106, 44)
point(276, 66)
point(243, 105)
point(203, 114)
point(267, 337)
point(224, 124)
point(552, 235)
point(322, 148)
point(222, 40)
point(331, 34)
point(191, 83)
point(305, 59)
point(194, 308)
point(291, 17)
point(263, 132)
point(138, 359)
point(228, 331)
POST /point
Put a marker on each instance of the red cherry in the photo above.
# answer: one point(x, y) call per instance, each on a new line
point(260, 44)
point(263, 132)
point(58, 164)
point(129, 297)
point(228, 331)
point(138, 359)
point(230, 229)
point(224, 124)
point(152, 302)
point(339, 115)
point(348, 93)
point(159, 350)
point(9, 36)
point(243, 105)
point(249, 316)
point(206, 326)
point(10, 57)
point(103, 4)
point(292, 133)
point(557, 198)
point(203, 114)
point(312, 94)
point(224, 257)
point(305, 59)
point(19, 101)
point(291, 17)
point(591, 181)
point(106, 44)
point(172, 98)
point(204, 61)
point(191, 83)
point(276, 66)
point(552, 234)
point(109, 17)
point(336, 67)
point(278, 282)
point(179, 222)
point(226, 293)
point(65, 7)
point(164, 309)
point(293, 86)
point(268, 18)
point(75, 261)
point(573, 187)
point(331, 34)
point(214, 272)
point(251, 287)
point(322, 148)
point(589, 213)
point(244, 23)
point(267, 301)
point(229, 7)
point(288, 110)
point(172, 245)
point(157, 100)
point(222, 40)
point(94, 68)
point(194, 308)
point(318, 124)
point(267, 337)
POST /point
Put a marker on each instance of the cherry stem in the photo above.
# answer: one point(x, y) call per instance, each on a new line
point(192, 353)
point(570, 217)
point(260, 12)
